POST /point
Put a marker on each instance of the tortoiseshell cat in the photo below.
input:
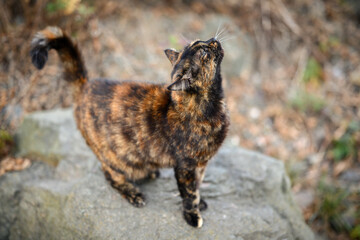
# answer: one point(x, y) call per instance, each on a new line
point(136, 128)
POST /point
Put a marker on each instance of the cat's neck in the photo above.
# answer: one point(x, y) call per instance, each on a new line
point(200, 103)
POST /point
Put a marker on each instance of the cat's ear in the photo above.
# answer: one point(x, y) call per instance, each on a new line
point(183, 83)
point(172, 55)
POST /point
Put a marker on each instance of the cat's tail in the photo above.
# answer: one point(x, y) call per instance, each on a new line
point(55, 38)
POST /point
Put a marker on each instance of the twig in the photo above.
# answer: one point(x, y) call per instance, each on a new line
point(4, 19)
point(286, 16)
point(265, 15)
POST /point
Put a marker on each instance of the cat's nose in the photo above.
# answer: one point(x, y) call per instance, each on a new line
point(213, 42)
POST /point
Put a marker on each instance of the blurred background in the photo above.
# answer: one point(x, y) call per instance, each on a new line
point(291, 76)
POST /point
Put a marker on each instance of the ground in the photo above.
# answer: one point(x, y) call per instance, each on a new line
point(293, 91)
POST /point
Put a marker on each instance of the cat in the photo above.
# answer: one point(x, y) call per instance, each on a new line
point(136, 128)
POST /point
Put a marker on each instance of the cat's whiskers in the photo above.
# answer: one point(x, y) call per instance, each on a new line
point(217, 30)
point(184, 38)
point(220, 34)
point(224, 39)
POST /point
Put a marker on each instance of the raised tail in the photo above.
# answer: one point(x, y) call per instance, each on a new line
point(55, 38)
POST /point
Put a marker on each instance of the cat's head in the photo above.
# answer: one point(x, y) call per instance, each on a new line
point(196, 65)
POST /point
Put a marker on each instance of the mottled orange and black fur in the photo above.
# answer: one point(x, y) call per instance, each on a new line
point(136, 128)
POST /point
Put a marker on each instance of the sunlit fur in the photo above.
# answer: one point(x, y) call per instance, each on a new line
point(136, 128)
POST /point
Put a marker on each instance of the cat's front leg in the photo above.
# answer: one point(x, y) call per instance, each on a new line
point(200, 173)
point(188, 184)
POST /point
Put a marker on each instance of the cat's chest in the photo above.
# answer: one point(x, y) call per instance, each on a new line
point(200, 136)
point(203, 139)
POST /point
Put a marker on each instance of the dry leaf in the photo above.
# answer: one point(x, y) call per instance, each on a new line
point(10, 164)
point(341, 166)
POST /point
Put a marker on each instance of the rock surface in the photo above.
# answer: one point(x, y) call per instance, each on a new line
point(248, 194)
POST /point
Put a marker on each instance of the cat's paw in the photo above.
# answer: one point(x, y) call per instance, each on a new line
point(193, 218)
point(202, 205)
point(138, 199)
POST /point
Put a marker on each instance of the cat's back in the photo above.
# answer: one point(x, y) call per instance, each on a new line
point(114, 98)
point(111, 114)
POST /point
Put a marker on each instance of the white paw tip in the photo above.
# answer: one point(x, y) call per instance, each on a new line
point(200, 223)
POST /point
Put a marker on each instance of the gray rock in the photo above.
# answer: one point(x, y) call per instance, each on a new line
point(50, 137)
point(11, 185)
point(248, 194)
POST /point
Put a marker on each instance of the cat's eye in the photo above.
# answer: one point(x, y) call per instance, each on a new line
point(204, 55)
point(200, 53)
